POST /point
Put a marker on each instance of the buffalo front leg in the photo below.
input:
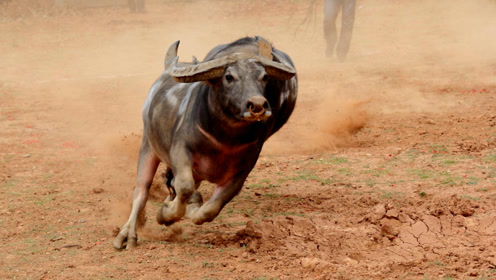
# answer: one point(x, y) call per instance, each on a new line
point(184, 186)
point(147, 166)
point(207, 212)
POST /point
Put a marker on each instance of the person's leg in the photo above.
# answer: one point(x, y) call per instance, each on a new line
point(348, 20)
point(140, 6)
point(132, 5)
point(331, 10)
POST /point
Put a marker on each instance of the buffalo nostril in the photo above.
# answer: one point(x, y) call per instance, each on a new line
point(252, 107)
point(256, 108)
point(266, 105)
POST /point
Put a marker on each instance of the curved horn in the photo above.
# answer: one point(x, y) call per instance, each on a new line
point(264, 47)
point(197, 72)
point(170, 54)
point(205, 70)
point(215, 68)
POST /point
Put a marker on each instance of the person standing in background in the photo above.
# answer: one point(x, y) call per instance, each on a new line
point(331, 11)
point(136, 6)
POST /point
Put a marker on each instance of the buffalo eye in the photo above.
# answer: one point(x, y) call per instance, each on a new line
point(229, 78)
point(265, 78)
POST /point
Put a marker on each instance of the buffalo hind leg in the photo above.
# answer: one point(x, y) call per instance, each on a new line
point(168, 177)
point(147, 166)
point(207, 212)
point(195, 202)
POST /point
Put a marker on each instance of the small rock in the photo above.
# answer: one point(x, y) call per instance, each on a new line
point(404, 218)
point(377, 213)
point(97, 190)
point(250, 231)
point(115, 231)
point(393, 213)
point(314, 264)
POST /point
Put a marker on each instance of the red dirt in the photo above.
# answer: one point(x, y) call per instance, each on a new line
point(385, 170)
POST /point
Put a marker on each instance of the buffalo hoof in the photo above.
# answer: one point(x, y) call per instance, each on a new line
point(169, 214)
point(124, 240)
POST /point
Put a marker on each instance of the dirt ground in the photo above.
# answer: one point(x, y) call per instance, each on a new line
point(386, 169)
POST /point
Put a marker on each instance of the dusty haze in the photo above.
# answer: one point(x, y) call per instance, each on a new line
point(381, 150)
point(398, 48)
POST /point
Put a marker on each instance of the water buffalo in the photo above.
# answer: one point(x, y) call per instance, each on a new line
point(208, 121)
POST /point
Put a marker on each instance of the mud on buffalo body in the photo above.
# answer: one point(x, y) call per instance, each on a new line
point(208, 121)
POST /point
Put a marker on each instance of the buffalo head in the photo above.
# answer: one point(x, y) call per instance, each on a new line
point(238, 81)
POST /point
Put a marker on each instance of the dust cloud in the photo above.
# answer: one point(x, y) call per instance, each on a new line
point(340, 120)
point(330, 126)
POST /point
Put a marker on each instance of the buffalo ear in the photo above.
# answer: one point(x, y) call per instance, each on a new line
point(279, 68)
point(279, 74)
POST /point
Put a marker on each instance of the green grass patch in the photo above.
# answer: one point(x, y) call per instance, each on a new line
point(288, 199)
point(333, 160)
point(8, 157)
point(9, 184)
point(207, 265)
point(470, 198)
point(370, 182)
point(377, 172)
point(33, 245)
point(272, 195)
point(308, 176)
point(392, 195)
point(438, 149)
point(412, 154)
point(448, 162)
point(472, 181)
point(422, 173)
point(438, 263)
point(491, 158)
point(346, 171)
point(289, 214)
point(264, 185)
point(236, 224)
point(447, 178)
